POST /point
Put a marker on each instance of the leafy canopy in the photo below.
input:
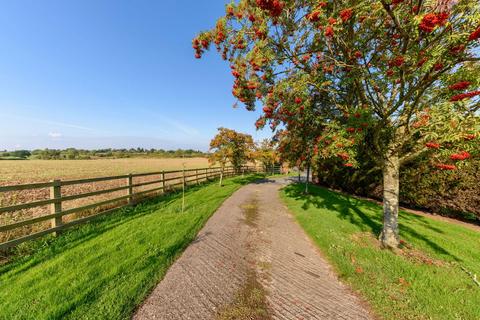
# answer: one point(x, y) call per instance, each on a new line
point(229, 146)
point(401, 76)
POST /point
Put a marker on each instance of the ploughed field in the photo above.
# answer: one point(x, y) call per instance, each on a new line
point(31, 171)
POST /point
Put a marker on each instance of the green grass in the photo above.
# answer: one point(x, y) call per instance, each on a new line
point(104, 269)
point(424, 280)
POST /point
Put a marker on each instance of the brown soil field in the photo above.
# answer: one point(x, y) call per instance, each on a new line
point(31, 171)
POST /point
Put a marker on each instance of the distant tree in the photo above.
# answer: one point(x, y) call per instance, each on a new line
point(71, 153)
point(229, 146)
point(266, 153)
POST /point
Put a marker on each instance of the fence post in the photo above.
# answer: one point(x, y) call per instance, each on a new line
point(130, 189)
point(184, 181)
point(56, 207)
point(196, 177)
point(206, 174)
point(183, 189)
point(163, 181)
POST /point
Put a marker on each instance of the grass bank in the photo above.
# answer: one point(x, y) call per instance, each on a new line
point(424, 280)
point(104, 269)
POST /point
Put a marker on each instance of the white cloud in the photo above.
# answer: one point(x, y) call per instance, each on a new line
point(55, 135)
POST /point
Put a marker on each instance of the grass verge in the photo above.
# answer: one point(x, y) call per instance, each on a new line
point(423, 280)
point(104, 269)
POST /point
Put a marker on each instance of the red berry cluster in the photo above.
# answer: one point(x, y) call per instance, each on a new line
point(432, 20)
point(396, 62)
point(199, 47)
point(343, 155)
point(457, 49)
point(463, 155)
point(329, 31)
point(422, 121)
point(252, 85)
point(438, 66)
point(462, 85)
point(268, 111)
point(260, 34)
point(432, 145)
point(446, 166)
point(346, 14)
point(474, 35)
point(463, 96)
point(274, 7)
point(260, 123)
point(313, 16)
point(421, 62)
point(220, 37)
point(469, 136)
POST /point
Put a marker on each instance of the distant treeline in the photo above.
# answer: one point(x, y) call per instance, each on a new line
point(80, 154)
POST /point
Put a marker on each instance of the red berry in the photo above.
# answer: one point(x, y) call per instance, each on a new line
point(462, 85)
point(346, 14)
point(432, 145)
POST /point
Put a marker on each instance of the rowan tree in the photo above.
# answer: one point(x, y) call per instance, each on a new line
point(231, 147)
point(299, 138)
point(401, 74)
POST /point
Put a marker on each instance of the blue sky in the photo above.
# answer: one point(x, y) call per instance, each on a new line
point(112, 73)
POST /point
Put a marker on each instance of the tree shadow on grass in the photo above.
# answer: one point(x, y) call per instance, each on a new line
point(425, 222)
point(365, 215)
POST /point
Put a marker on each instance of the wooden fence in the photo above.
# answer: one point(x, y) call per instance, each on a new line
point(169, 180)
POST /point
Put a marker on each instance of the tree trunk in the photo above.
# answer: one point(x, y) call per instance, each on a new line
point(221, 175)
point(389, 237)
point(308, 176)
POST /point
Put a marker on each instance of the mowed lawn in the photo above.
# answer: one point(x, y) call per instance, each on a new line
point(104, 269)
point(28, 171)
point(424, 280)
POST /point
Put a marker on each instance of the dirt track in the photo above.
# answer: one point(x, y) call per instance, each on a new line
point(298, 282)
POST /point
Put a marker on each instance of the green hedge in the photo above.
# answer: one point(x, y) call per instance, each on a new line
point(449, 193)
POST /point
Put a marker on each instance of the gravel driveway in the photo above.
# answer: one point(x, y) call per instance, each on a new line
point(252, 231)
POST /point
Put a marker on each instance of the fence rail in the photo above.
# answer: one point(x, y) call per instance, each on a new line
point(57, 199)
